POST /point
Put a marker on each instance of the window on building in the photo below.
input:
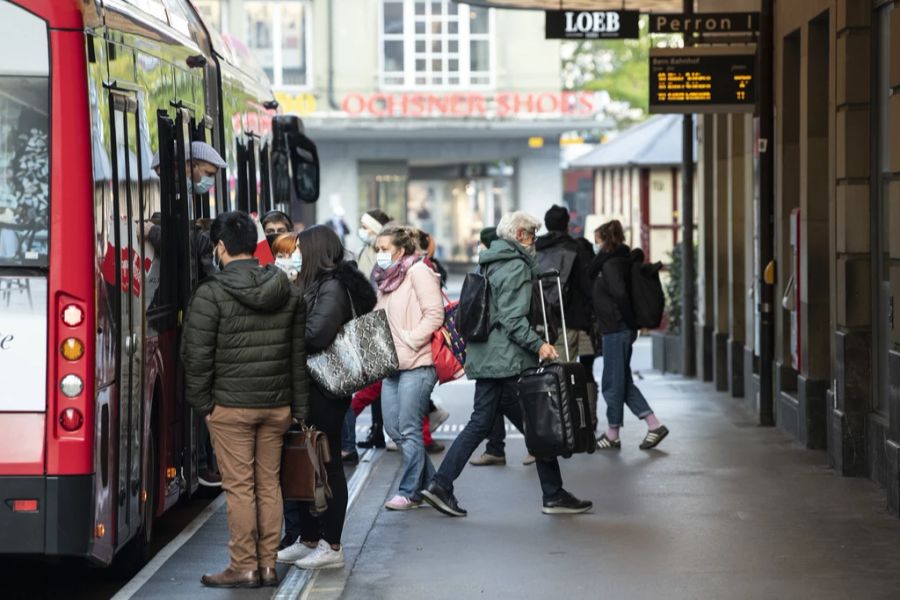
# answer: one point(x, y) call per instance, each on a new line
point(278, 33)
point(435, 44)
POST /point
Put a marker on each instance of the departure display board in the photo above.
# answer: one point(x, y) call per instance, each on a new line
point(703, 80)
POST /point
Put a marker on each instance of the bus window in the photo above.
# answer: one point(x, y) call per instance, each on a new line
point(25, 143)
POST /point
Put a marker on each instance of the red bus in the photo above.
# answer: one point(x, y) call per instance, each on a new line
point(95, 437)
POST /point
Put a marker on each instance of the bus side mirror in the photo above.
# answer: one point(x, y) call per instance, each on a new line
point(295, 161)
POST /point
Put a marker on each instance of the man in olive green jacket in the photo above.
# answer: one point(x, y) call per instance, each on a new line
point(512, 347)
point(245, 368)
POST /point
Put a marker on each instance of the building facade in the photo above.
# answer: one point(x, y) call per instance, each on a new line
point(428, 110)
point(837, 237)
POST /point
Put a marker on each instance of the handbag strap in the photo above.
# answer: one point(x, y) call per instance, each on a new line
point(352, 307)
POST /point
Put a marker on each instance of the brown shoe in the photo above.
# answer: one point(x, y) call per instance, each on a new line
point(230, 578)
point(268, 577)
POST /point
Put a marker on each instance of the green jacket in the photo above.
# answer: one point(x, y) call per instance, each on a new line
point(244, 341)
point(512, 345)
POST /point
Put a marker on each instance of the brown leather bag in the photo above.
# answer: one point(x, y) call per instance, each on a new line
point(303, 475)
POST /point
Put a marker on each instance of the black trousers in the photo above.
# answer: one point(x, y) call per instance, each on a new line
point(327, 415)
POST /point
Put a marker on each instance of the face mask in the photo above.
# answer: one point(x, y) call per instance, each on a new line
point(366, 237)
point(296, 260)
point(384, 260)
point(284, 264)
point(216, 262)
point(204, 185)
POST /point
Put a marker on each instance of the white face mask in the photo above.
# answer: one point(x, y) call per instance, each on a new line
point(284, 264)
point(384, 260)
point(204, 185)
point(297, 260)
point(365, 236)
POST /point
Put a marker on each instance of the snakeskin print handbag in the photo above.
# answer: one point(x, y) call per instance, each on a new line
point(362, 353)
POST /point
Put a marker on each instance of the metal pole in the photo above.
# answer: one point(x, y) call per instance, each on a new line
point(688, 343)
point(766, 217)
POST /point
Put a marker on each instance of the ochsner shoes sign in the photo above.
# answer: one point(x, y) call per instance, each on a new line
point(592, 24)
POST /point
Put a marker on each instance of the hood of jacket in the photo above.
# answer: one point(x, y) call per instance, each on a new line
point(354, 281)
point(503, 250)
point(554, 238)
point(261, 288)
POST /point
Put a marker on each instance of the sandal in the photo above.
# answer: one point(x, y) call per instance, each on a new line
point(604, 443)
point(654, 437)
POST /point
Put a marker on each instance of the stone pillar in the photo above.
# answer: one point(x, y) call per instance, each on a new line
point(787, 198)
point(737, 173)
point(721, 252)
point(706, 240)
point(816, 190)
point(853, 270)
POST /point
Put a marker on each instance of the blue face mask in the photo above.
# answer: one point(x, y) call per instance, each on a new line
point(204, 185)
point(384, 260)
point(297, 260)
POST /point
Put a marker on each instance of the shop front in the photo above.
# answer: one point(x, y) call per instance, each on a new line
point(447, 166)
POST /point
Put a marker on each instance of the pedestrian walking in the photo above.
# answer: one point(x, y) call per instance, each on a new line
point(410, 293)
point(495, 450)
point(245, 324)
point(610, 271)
point(330, 284)
point(512, 346)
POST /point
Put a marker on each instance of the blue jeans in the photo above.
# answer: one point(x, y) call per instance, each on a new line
point(496, 439)
point(493, 398)
point(404, 403)
point(617, 384)
point(348, 432)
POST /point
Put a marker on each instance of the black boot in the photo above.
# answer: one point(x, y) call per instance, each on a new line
point(375, 439)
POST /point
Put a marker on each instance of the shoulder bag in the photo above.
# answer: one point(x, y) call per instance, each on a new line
point(303, 474)
point(362, 353)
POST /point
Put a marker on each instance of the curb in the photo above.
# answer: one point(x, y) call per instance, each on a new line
point(299, 583)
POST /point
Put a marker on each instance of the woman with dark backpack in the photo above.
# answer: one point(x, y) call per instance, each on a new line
point(610, 271)
point(330, 284)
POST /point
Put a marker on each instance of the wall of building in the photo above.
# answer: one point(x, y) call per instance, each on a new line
point(837, 160)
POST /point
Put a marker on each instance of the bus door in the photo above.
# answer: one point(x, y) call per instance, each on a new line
point(129, 257)
point(185, 215)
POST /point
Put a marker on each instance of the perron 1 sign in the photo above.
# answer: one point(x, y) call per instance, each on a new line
point(703, 80)
point(592, 24)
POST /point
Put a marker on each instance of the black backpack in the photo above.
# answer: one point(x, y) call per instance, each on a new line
point(562, 260)
point(473, 317)
point(647, 299)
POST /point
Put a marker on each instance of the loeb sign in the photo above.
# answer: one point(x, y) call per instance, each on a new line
point(592, 24)
point(471, 104)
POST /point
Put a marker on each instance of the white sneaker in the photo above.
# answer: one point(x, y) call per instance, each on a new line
point(391, 446)
point(294, 552)
point(436, 418)
point(323, 557)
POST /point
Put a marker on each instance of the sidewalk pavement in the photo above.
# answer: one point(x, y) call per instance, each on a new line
point(723, 509)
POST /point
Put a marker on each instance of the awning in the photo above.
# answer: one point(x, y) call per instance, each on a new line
point(645, 6)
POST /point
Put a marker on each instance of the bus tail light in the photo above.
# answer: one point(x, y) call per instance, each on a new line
point(72, 349)
point(71, 385)
point(24, 506)
point(72, 315)
point(71, 419)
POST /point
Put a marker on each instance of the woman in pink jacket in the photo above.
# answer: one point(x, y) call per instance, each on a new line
point(410, 293)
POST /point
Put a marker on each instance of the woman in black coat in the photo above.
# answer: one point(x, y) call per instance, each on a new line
point(330, 283)
point(611, 271)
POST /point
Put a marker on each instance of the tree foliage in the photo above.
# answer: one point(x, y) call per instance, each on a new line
point(617, 67)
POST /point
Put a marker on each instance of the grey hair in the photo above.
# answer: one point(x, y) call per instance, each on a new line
point(510, 223)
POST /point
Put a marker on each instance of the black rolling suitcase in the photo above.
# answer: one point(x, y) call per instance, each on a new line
point(556, 412)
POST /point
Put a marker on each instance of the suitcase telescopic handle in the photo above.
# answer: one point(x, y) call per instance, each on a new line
point(562, 311)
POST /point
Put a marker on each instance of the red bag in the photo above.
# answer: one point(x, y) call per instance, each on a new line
point(446, 364)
